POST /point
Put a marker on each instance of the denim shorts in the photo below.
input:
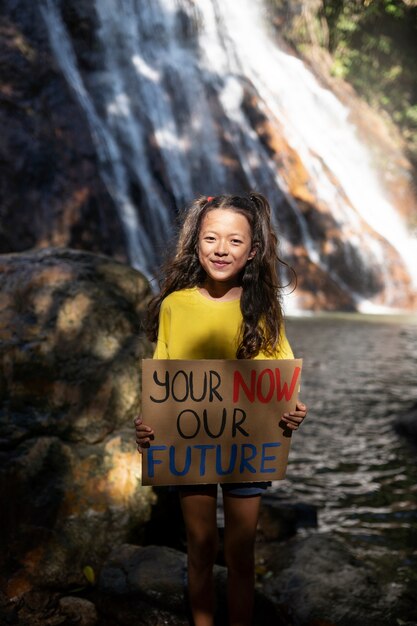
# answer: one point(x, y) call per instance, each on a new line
point(233, 489)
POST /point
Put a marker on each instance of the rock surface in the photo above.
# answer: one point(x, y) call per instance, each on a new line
point(52, 194)
point(280, 519)
point(135, 579)
point(406, 424)
point(320, 581)
point(70, 348)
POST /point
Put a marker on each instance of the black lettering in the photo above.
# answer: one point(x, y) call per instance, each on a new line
point(161, 384)
point(237, 424)
point(174, 380)
point(179, 427)
point(213, 388)
point(203, 393)
point(222, 427)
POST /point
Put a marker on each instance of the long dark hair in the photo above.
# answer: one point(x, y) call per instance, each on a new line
point(260, 302)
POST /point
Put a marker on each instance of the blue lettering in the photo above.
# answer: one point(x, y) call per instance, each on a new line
point(265, 458)
point(187, 462)
point(203, 449)
point(244, 460)
point(232, 461)
point(152, 461)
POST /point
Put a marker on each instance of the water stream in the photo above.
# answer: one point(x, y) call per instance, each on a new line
point(360, 373)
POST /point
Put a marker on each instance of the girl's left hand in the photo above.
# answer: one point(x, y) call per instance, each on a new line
point(294, 419)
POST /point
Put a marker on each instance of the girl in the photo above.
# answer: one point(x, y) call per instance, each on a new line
point(220, 299)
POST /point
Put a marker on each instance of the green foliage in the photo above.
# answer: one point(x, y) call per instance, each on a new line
point(374, 47)
point(373, 44)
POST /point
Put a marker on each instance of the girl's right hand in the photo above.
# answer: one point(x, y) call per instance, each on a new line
point(144, 434)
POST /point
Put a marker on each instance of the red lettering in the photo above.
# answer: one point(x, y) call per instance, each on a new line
point(264, 387)
point(239, 382)
point(284, 391)
point(271, 389)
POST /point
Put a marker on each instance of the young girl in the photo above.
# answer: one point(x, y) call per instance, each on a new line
point(220, 299)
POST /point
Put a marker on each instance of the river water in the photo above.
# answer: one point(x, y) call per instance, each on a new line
point(359, 374)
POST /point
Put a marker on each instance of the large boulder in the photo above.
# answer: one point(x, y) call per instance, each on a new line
point(71, 346)
point(320, 581)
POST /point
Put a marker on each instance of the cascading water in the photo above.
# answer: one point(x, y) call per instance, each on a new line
point(168, 109)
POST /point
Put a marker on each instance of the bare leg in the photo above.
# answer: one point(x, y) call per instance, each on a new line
point(199, 512)
point(240, 521)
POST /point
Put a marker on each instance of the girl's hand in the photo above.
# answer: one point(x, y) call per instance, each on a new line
point(294, 419)
point(144, 434)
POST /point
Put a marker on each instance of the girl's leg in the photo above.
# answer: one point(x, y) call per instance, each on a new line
point(199, 512)
point(240, 521)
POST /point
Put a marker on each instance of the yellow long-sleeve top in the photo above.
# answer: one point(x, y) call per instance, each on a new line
point(191, 326)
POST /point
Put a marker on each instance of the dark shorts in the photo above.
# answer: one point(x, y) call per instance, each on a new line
point(233, 489)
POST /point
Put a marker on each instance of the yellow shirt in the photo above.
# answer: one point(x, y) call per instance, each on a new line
point(192, 326)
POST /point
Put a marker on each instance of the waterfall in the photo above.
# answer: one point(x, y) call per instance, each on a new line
point(167, 107)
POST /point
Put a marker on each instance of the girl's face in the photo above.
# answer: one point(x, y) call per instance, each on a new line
point(224, 245)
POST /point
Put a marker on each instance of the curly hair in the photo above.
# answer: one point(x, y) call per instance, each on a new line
point(260, 301)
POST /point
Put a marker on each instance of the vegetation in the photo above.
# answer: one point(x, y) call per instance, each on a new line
point(373, 44)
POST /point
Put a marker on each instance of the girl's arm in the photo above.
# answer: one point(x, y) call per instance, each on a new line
point(144, 434)
point(295, 418)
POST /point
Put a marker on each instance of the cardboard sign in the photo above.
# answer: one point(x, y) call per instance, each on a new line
point(217, 421)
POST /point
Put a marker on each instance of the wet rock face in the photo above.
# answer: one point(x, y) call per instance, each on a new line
point(71, 345)
point(51, 192)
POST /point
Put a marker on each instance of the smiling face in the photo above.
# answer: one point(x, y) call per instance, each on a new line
point(224, 248)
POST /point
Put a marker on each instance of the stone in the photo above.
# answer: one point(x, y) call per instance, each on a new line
point(79, 609)
point(45, 608)
point(71, 344)
point(153, 573)
point(406, 424)
point(319, 581)
point(280, 520)
point(136, 583)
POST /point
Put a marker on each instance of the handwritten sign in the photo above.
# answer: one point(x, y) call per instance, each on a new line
point(217, 421)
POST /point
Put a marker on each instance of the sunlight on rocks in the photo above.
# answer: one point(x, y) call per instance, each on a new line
point(55, 275)
point(124, 477)
point(43, 302)
point(109, 478)
point(105, 346)
point(73, 313)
